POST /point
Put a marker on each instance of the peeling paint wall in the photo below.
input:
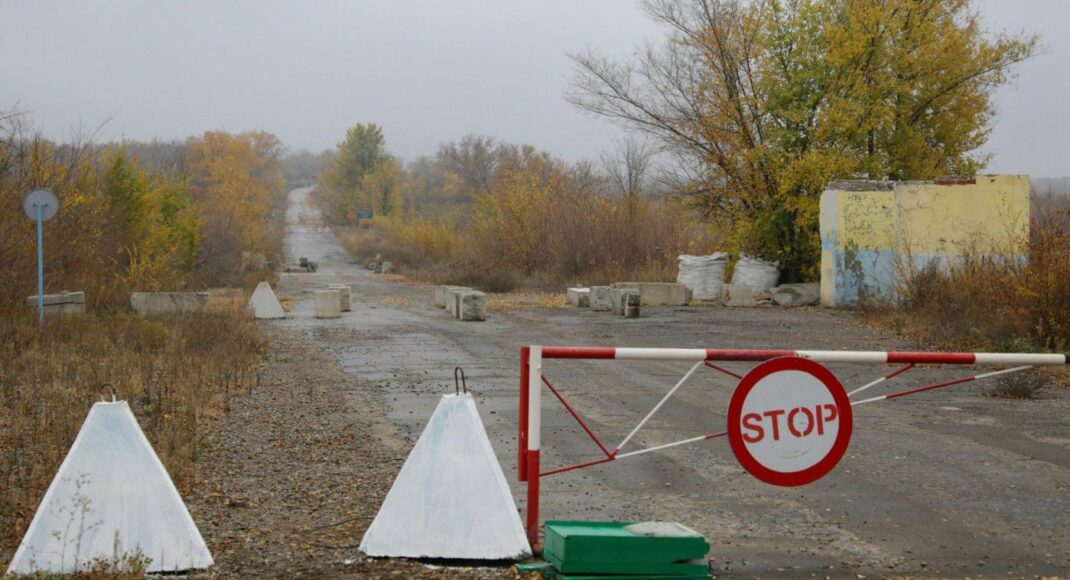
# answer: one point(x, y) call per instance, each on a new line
point(871, 231)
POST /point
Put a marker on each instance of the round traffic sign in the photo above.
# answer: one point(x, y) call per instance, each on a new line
point(789, 421)
point(43, 198)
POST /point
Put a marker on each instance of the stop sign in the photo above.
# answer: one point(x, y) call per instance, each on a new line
point(789, 421)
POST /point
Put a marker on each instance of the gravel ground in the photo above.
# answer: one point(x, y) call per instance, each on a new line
point(293, 476)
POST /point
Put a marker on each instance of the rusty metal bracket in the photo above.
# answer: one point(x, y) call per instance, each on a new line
point(459, 381)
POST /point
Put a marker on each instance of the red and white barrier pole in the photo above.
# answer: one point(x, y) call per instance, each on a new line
point(534, 428)
point(522, 417)
point(823, 356)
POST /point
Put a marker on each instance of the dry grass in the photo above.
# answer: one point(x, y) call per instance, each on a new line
point(986, 301)
point(521, 300)
point(177, 373)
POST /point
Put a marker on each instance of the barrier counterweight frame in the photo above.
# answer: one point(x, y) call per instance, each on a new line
point(531, 380)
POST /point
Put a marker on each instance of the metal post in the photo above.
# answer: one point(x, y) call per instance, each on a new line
point(522, 418)
point(534, 442)
point(40, 267)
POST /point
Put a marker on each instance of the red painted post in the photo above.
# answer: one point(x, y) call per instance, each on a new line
point(533, 499)
point(522, 419)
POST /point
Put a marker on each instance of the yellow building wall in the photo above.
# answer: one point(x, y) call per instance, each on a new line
point(870, 231)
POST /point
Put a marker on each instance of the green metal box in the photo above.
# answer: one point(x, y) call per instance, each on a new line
point(607, 548)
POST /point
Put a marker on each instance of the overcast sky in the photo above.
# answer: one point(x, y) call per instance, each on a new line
point(427, 71)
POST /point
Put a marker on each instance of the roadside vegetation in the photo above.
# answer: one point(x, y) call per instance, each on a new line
point(988, 300)
point(177, 373)
point(134, 217)
point(499, 216)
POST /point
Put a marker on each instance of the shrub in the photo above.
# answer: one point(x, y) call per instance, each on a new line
point(992, 301)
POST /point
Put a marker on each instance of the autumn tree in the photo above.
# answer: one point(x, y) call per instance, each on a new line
point(234, 180)
point(361, 153)
point(763, 103)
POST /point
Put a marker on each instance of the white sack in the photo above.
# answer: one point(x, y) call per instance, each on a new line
point(703, 275)
point(758, 274)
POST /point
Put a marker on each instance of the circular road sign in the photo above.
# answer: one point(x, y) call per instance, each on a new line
point(789, 421)
point(40, 197)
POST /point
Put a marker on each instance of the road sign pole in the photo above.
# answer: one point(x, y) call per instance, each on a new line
point(40, 267)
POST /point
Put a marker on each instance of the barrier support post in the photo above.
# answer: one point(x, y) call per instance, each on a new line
point(534, 442)
point(522, 416)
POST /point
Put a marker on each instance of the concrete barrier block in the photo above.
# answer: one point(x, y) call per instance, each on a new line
point(579, 297)
point(386, 268)
point(328, 303)
point(739, 295)
point(631, 305)
point(797, 294)
point(60, 303)
point(453, 300)
point(618, 298)
point(660, 293)
point(600, 299)
point(153, 303)
point(442, 293)
point(346, 295)
point(472, 306)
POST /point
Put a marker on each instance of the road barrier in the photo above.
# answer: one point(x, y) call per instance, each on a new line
point(789, 420)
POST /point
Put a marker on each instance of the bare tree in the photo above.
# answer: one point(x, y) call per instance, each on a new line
point(627, 170)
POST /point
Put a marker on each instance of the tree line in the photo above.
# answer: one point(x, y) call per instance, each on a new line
point(138, 215)
point(746, 110)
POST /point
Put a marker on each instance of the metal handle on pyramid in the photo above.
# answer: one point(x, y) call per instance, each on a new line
point(459, 381)
point(104, 389)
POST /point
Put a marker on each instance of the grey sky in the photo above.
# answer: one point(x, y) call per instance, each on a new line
point(428, 71)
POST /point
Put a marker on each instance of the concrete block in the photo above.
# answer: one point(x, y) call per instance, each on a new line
point(797, 294)
point(61, 303)
point(579, 297)
point(600, 299)
point(453, 300)
point(660, 293)
point(264, 304)
point(347, 295)
point(442, 293)
point(618, 298)
point(386, 268)
point(740, 295)
point(631, 305)
point(328, 303)
point(472, 305)
point(152, 303)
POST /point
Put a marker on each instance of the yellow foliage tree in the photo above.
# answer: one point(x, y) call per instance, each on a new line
point(765, 102)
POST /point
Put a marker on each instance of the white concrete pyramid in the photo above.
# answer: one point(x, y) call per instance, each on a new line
point(264, 304)
point(450, 499)
point(110, 498)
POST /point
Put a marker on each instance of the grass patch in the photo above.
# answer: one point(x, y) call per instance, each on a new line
point(1022, 386)
point(177, 373)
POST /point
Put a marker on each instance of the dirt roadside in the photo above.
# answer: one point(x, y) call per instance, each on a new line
point(292, 476)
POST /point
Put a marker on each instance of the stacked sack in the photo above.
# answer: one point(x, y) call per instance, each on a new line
point(703, 275)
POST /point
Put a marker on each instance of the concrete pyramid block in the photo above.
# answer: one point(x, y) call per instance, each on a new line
point(264, 303)
point(450, 499)
point(111, 497)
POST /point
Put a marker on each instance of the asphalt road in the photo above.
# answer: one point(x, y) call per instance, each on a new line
point(945, 483)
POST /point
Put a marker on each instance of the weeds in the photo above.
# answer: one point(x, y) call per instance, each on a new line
point(990, 301)
point(177, 373)
point(1018, 386)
